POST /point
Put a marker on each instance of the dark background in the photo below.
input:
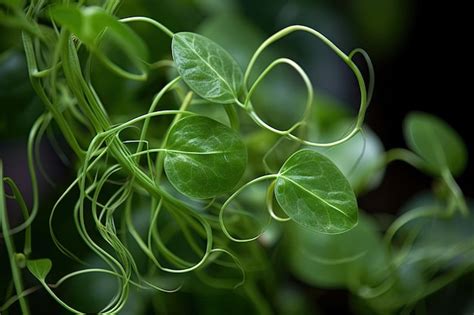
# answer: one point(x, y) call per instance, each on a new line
point(428, 73)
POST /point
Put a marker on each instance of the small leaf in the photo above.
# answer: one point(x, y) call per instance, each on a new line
point(315, 194)
point(204, 158)
point(89, 23)
point(436, 142)
point(39, 268)
point(207, 68)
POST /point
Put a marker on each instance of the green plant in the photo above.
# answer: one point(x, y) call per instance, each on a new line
point(189, 174)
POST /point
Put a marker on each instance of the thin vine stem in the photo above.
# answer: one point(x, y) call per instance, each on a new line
point(231, 198)
point(155, 23)
point(362, 87)
point(16, 273)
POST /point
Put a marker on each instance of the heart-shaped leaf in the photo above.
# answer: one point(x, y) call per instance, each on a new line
point(436, 142)
point(39, 268)
point(207, 68)
point(204, 158)
point(315, 194)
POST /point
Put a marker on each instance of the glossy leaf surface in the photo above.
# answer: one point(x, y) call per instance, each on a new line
point(315, 194)
point(207, 68)
point(204, 158)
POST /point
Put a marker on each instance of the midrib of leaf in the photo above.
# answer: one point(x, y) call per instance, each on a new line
point(440, 153)
point(205, 62)
point(313, 194)
point(199, 153)
point(333, 261)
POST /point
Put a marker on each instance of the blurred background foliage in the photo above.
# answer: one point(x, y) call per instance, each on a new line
point(299, 279)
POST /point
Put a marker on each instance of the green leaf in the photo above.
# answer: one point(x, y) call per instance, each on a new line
point(335, 261)
point(436, 142)
point(435, 235)
point(207, 68)
point(39, 268)
point(204, 158)
point(315, 194)
point(91, 22)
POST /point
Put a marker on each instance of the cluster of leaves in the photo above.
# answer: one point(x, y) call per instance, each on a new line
point(161, 200)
